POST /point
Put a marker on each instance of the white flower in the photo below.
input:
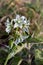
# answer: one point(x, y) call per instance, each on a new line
point(17, 17)
point(8, 30)
point(17, 41)
point(13, 20)
point(7, 22)
point(20, 22)
point(15, 25)
point(23, 18)
point(28, 22)
point(20, 26)
point(26, 29)
point(25, 22)
point(24, 37)
point(8, 26)
point(21, 38)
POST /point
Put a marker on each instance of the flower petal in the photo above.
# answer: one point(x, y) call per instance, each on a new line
point(17, 17)
point(15, 25)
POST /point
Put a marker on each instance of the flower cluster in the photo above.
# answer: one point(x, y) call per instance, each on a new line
point(20, 25)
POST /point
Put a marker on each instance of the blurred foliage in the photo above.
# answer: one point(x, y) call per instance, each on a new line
point(32, 11)
point(39, 57)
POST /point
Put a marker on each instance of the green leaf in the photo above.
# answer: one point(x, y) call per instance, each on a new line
point(3, 56)
point(38, 57)
point(35, 40)
point(11, 43)
point(14, 51)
